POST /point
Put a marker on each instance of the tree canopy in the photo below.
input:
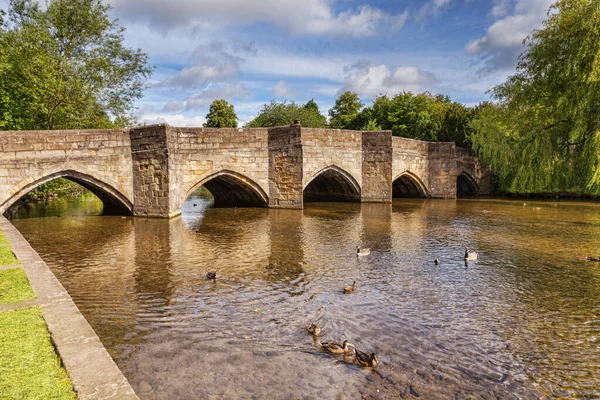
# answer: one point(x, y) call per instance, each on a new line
point(221, 115)
point(345, 111)
point(543, 133)
point(284, 113)
point(65, 66)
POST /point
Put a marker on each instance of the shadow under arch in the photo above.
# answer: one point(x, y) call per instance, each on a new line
point(231, 189)
point(408, 185)
point(466, 185)
point(332, 184)
point(115, 203)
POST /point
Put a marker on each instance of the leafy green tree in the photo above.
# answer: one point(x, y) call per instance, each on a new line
point(221, 115)
point(65, 66)
point(345, 111)
point(284, 113)
point(543, 135)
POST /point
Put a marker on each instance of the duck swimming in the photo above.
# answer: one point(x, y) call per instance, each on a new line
point(436, 261)
point(211, 275)
point(336, 348)
point(470, 255)
point(350, 288)
point(314, 329)
point(362, 252)
point(365, 360)
point(592, 259)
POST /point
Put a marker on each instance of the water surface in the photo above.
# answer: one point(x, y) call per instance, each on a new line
point(521, 322)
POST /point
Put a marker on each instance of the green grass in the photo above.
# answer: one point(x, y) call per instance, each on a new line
point(6, 255)
point(29, 366)
point(14, 286)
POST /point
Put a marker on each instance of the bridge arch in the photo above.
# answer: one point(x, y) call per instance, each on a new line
point(332, 183)
point(231, 189)
point(115, 203)
point(466, 185)
point(408, 185)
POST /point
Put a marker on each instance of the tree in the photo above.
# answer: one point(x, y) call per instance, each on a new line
point(221, 115)
point(345, 111)
point(284, 113)
point(543, 135)
point(66, 67)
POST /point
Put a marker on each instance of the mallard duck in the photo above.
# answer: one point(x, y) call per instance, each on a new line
point(314, 329)
point(593, 259)
point(350, 288)
point(362, 252)
point(470, 255)
point(365, 360)
point(336, 348)
point(211, 275)
point(436, 261)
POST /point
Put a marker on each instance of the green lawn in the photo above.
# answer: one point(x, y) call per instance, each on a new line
point(29, 366)
point(14, 286)
point(6, 255)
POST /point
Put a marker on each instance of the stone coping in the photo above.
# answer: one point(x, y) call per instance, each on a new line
point(92, 370)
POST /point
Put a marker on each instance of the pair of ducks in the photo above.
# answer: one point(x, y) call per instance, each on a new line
point(362, 359)
point(469, 256)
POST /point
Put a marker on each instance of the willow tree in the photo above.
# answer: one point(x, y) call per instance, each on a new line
point(65, 66)
point(542, 135)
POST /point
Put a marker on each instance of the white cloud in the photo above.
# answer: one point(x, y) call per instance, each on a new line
point(203, 99)
point(174, 120)
point(172, 106)
point(503, 42)
point(282, 89)
point(370, 80)
point(296, 16)
point(432, 7)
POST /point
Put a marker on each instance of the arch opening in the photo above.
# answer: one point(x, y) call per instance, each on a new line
point(465, 185)
point(332, 185)
point(230, 189)
point(113, 202)
point(408, 185)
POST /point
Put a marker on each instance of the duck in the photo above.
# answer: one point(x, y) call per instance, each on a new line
point(365, 360)
point(314, 329)
point(436, 261)
point(336, 348)
point(470, 255)
point(362, 252)
point(592, 259)
point(211, 275)
point(350, 288)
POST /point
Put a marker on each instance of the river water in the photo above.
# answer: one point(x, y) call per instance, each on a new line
point(521, 322)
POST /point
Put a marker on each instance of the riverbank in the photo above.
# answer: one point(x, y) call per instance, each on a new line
point(38, 315)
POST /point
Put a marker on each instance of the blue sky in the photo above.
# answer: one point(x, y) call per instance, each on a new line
point(249, 52)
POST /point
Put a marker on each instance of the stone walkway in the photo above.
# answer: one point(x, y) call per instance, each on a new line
point(93, 372)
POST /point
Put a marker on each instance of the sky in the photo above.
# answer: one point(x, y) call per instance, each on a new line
point(250, 52)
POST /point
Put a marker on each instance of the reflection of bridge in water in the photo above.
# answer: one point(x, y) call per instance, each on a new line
point(152, 170)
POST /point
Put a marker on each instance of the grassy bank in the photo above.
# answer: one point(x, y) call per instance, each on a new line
point(29, 365)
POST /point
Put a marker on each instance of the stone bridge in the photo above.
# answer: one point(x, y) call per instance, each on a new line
point(150, 171)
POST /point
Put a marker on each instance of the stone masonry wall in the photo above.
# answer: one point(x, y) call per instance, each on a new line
point(150, 171)
point(196, 154)
point(285, 167)
point(410, 156)
point(377, 166)
point(468, 162)
point(99, 159)
point(441, 170)
point(323, 148)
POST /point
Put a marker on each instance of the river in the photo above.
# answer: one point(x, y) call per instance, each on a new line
point(523, 321)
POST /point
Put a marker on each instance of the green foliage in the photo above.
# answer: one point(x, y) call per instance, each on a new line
point(284, 113)
point(66, 67)
point(344, 113)
point(543, 135)
point(29, 366)
point(221, 115)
